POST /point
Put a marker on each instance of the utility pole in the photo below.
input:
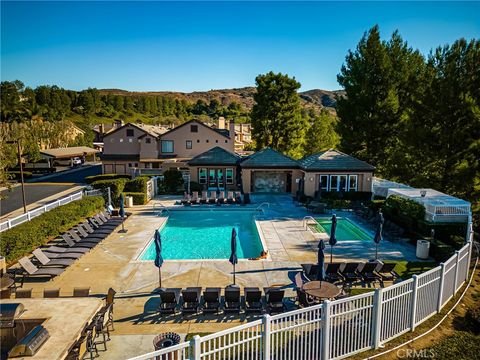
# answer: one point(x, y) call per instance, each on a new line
point(21, 171)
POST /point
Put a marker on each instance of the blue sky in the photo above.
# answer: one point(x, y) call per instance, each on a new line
point(188, 46)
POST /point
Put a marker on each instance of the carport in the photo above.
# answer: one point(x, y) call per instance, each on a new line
point(68, 153)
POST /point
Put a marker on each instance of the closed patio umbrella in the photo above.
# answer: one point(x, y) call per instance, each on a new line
point(333, 240)
point(158, 255)
point(378, 234)
point(321, 261)
point(122, 211)
point(233, 257)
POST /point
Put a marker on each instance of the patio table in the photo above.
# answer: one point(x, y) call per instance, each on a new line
point(321, 289)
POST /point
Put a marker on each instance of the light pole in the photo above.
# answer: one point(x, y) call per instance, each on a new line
point(21, 171)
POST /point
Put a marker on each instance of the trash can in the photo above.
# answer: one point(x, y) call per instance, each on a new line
point(423, 247)
point(166, 340)
point(128, 201)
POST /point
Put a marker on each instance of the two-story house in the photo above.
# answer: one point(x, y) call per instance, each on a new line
point(153, 147)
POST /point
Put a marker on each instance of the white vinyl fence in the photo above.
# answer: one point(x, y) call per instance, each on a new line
point(10, 223)
point(335, 329)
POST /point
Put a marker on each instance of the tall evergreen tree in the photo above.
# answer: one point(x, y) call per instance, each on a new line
point(321, 134)
point(276, 116)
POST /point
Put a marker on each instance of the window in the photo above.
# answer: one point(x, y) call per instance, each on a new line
point(194, 128)
point(334, 183)
point(343, 182)
point(136, 164)
point(226, 141)
point(198, 140)
point(130, 165)
point(352, 182)
point(167, 146)
point(202, 176)
point(229, 176)
point(155, 165)
point(220, 176)
point(338, 182)
point(188, 144)
point(216, 141)
point(323, 182)
point(212, 179)
point(148, 140)
point(207, 140)
point(130, 132)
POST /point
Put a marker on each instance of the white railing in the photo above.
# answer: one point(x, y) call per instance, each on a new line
point(10, 223)
point(335, 329)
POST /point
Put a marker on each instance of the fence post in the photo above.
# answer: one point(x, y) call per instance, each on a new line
point(414, 302)
point(9, 222)
point(266, 336)
point(44, 208)
point(326, 330)
point(442, 284)
point(195, 352)
point(109, 193)
point(377, 320)
point(29, 216)
point(455, 281)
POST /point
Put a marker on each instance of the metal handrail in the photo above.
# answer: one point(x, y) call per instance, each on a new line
point(264, 203)
point(161, 206)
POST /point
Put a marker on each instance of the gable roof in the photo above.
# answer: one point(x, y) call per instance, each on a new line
point(215, 156)
point(125, 126)
point(224, 133)
point(269, 158)
point(334, 160)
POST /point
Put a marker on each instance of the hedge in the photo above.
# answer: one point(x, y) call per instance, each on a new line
point(342, 195)
point(116, 186)
point(139, 198)
point(24, 238)
point(16, 175)
point(137, 185)
point(93, 178)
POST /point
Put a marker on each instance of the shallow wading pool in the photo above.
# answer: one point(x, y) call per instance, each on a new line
point(346, 229)
point(192, 234)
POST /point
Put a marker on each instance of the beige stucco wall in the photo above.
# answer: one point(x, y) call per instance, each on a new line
point(148, 151)
point(119, 143)
point(364, 180)
point(120, 167)
point(199, 140)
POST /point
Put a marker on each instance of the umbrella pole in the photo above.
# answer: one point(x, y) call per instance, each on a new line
point(331, 254)
point(233, 274)
point(376, 251)
point(160, 276)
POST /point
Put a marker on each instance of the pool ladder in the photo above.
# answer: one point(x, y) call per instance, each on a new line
point(161, 207)
point(258, 208)
point(305, 221)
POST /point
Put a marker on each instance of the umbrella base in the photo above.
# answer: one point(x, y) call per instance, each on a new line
point(122, 231)
point(234, 286)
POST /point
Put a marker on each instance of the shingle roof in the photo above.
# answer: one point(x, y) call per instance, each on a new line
point(269, 158)
point(334, 160)
point(68, 152)
point(215, 156)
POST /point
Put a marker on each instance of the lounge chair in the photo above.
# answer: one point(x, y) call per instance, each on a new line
point(66, 252)
point(350, 272)
point(58, 255)
point(238, 197)
point(221, 198)
point(46, 261)
point(253, 300)
point(81, 242)
point(194, 197)
point(169, 301)
point(211, 298)
point(232, 299)
point(204, 198)
point(32, 270)
point(191, 300)
point(213, 197)
point(81, 292)
point(89, 229)
point(23, 294)
point(310, 271)
point(102, 224)
point(51, 293)
point(387, 273)
point(332, 272)
point(107, 217)
point(186, 199)
point(84, 236)
point(368, 272)
point(230, 199)
point(274, 298)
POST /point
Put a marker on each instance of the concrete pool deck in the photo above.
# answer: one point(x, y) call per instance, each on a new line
point(113, 264)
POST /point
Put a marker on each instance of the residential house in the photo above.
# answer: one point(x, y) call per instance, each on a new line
point(139, 146)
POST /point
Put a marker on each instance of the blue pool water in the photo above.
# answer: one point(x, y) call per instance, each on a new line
point(206, 235)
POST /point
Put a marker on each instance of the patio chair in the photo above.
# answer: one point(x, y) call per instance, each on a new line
point(211, 298)
point(71, 237)
point(387, 273)
point(191, 300)
point(108, 308)
point(81, 292)
point(31, 270)
point(303, 299)
point(170, 299)
point(101, 324)
point(299, 280)
point(332, 272)
point(213, 197)
point(23, 294)
point(368, 272)
point(102, 224)
point(79, 349)
point(274, 298)
point(85, 230)
point(51, 293)
point(89, 229)
point(230, 199)
point(204, 198)
point(81, 236)
point(194, 199)
point(221, 198)
point(238, 197)
point(108, 218)
point(59, 252)
point(232, 299)
point(186, 199)
point(46, 261)
point(310, 271)
point(350, 272)
point(253, 300)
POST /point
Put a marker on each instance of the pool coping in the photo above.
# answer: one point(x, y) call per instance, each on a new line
point(146, 243)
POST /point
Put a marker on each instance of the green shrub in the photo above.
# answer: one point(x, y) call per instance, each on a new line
point(172, 181)
point(116, 188)
point(398, 205)
point(195, 186)
point(138, 184)
point(139, 198)
point(93, 178)
point(16, 175)
point(350, 195)
point(376, 205)
point(339, 204)
point(441, 251)
point(24, 238)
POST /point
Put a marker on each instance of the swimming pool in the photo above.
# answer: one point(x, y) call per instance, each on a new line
point(346, 229)
point(200, 234)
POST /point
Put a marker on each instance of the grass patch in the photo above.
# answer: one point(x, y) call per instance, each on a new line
point(360, 291)
point(406, 269)
point(461, 345)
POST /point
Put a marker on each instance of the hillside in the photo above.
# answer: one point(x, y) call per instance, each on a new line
point(317, 98)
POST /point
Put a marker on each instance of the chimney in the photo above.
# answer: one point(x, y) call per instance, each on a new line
point(221, 122)
point(231, 130)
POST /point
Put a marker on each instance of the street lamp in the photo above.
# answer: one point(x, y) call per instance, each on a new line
point(21, 171)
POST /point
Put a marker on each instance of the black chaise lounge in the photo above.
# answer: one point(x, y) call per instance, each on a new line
point(387, 272)
point(46, 261)
point(368, 272)
point(350, 272)
point(310, 271)
point(170, 299)
point(191, 300)
point(232, 299)
point(65, 254)
point(31, 270)
point(253, 300)
point(274, 299)
point(211, 299)
point(332, 272)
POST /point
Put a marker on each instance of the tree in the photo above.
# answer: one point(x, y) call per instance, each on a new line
point(277, 121)
point(321, 134)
